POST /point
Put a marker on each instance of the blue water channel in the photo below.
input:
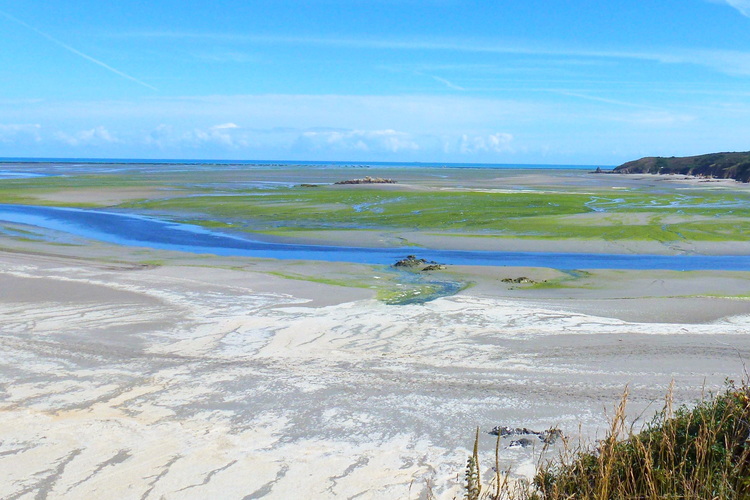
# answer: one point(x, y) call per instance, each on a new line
point(142, 231)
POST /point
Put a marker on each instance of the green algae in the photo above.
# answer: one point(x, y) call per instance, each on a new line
point(545, 215)
point(573, 278)
point(347, 283)
point(692, 213)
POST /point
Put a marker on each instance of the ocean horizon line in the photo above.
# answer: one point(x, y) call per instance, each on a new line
point(352, 163)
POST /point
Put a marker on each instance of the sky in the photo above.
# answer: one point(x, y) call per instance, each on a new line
point(455, 81)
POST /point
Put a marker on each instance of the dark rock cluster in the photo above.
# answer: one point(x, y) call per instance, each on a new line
point(412, 262)
point(550, 436)
point(520, 279)
point(368, 180)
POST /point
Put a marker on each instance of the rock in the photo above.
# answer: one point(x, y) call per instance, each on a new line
point(501, 431)
point(510, 431)
point(521, 443)
point(309, 185)
point(410, 261)
point(522, 279)
point(368, 180)
point(550, 436)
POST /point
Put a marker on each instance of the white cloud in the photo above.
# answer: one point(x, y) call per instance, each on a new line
point(96, 136)
point(492, 143)
point(388, 141)
point(10, 133)
point(743, 6)
point(161, 136)
point(224, 134)
point(447, 83)
point(225, 126)
point(655, 118)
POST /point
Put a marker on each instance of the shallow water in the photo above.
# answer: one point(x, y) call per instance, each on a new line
point(136, 230)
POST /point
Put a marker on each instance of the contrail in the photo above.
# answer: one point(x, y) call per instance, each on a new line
point(77, 52)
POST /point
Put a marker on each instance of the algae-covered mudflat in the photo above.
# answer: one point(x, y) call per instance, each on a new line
point(461, 205)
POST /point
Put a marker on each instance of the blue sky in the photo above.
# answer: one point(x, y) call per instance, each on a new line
point(375, 80)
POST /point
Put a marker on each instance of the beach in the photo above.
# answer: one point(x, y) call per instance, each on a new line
point(187, 381)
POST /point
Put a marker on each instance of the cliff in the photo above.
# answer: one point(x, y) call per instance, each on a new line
point(715, 165)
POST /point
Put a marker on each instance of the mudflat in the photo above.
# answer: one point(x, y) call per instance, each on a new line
point(139, 373)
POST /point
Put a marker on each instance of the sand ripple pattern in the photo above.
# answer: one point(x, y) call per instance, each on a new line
point(177, 383)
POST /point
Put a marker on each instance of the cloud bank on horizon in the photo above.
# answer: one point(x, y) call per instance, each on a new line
point(436, 80)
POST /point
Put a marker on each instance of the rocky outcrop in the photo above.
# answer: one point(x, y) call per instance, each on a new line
point(368, 180)
point(520, 279)
point(712, 166)
point(550, 436)
point(412, 262)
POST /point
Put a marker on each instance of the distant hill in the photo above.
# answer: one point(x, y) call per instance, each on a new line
point(716, 165)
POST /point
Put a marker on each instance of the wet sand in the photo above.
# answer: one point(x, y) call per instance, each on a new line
point(188, 381)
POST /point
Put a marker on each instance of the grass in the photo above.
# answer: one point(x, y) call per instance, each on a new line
point(699, 452)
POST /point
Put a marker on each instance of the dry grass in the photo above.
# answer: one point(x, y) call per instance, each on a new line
point(700, 452)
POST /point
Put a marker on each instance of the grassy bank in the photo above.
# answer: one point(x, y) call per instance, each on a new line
point(700, 452)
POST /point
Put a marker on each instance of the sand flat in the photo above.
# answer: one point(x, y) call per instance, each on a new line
point(196, 382)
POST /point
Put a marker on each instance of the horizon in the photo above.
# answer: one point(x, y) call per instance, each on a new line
point(432, 81)
point(199, 161)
